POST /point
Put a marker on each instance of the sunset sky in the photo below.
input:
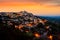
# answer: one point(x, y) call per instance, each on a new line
point(37, 7)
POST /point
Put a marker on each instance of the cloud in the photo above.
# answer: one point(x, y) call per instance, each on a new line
point(48, 2)
point(44, 2)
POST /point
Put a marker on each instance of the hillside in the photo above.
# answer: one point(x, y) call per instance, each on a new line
point(26, 26)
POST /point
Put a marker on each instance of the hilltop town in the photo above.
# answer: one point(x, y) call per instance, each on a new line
point(26, 26)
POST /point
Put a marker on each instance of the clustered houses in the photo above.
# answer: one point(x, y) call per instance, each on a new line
point(25, 21)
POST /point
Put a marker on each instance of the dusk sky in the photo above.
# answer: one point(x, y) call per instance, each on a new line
point(37, 7)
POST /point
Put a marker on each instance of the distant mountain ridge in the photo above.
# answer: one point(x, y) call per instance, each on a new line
point(51, 18)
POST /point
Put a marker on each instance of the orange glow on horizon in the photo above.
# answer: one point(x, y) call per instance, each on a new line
point(34, 8)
